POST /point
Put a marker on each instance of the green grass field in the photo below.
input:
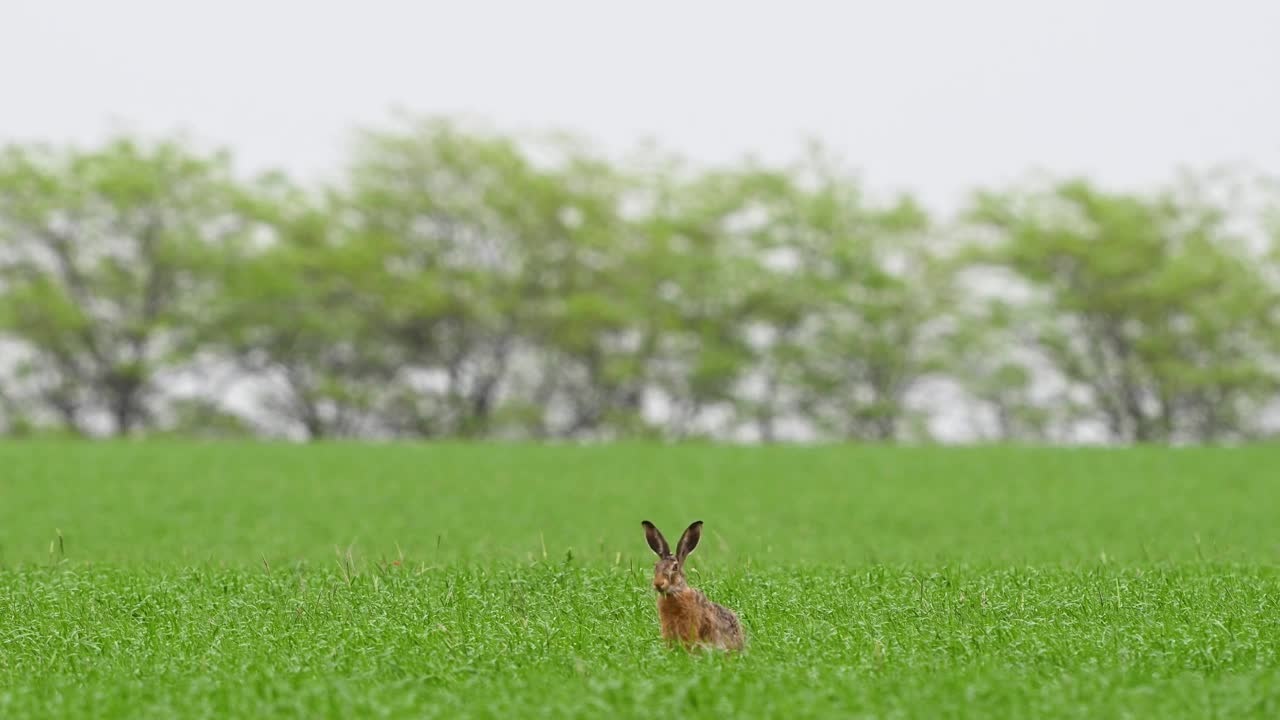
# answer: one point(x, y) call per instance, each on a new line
point(161, 580)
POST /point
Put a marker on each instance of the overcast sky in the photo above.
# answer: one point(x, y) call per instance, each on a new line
point(934, 96)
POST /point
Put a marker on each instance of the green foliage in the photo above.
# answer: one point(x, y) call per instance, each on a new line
point(927, 582)
point(1148, 304)
point(301, 311)
point(469, 218)
point(458, 282)
point(859, 325)
point(987, 353)
point(103, 270)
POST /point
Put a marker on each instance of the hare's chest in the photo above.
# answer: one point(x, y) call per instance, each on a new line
point(681, 617)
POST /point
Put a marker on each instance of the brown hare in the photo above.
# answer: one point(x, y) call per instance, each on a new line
point(686, 615)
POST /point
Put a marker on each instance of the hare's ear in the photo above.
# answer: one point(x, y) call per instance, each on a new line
point(689, 540)
point(656, 541)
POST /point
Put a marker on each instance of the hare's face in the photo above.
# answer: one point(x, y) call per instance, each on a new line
point(668, 573)
point(668, 577)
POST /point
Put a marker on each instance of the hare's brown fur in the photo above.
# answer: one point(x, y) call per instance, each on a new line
point(685, 614)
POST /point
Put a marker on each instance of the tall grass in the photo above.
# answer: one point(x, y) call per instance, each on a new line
point(188, 580)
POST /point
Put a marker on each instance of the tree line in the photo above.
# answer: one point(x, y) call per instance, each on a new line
point(455, 282)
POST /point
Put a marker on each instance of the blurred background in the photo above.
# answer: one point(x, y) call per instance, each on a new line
point(1051, 222)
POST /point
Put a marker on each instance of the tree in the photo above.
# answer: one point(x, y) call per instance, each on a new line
point(587, 303)
point(104, 258)
point(451, 213)
point(988, 357)
point(530, 321)
point(851, 311)
point(1149, 304)
point(693, 267)
point(300, 313)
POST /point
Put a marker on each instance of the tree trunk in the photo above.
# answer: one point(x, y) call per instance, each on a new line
point(126, 410)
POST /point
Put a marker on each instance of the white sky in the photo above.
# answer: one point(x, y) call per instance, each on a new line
point(934, 96)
